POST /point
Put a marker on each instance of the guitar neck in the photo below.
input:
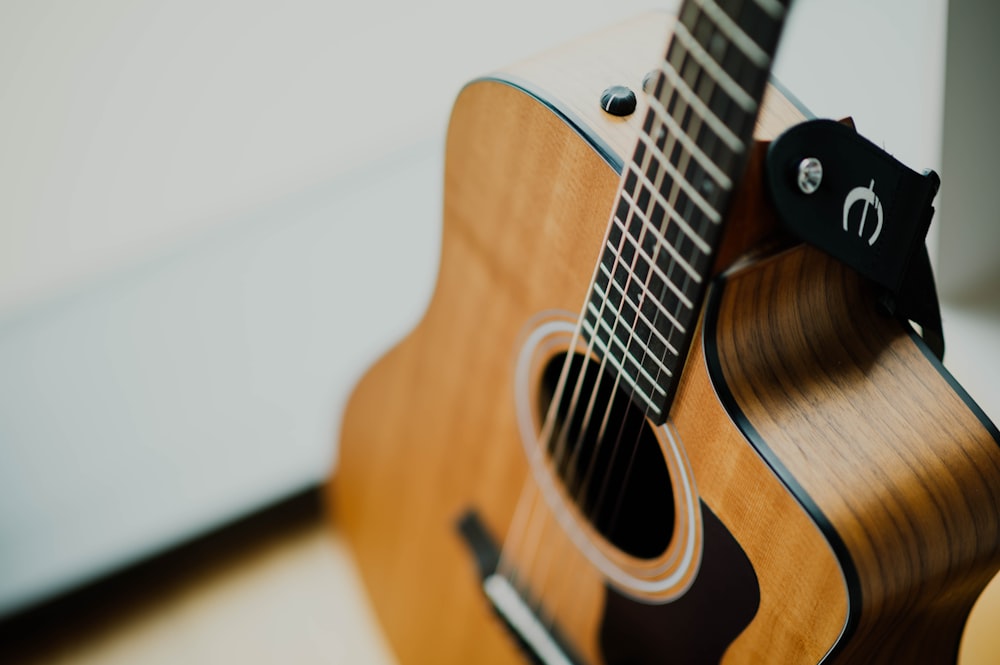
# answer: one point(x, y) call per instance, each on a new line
point(666, 225)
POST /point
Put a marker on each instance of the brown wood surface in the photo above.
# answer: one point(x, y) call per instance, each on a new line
point(803, 595)
point(430, 431)
point(421, 443)
point(902, 468)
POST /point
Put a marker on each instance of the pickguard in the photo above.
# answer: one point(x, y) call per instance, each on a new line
point(699, 625)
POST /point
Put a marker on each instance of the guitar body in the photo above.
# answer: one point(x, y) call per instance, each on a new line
point(833, 492)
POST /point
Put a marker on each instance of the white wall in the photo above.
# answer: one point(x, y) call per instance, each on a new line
point(215, 213)
point(132, 125)
point(969, 263)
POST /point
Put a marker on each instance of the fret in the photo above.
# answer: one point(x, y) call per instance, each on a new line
point(653, 276)
point(686, 221)
point(671, 237)
point(678, 259)
point(681, 182)
point(720, 76)
point(671, 318)
point(645, 286)
point(741, 39)
point(755, 21)
point(667, 146)
point(691, 172)
point(704, 112)
point(706, 162)
point(647, 290)
point(708, 42)
point(708, 28)
point(692, 193)
point(632, 341)
point(751, 18)
point(622, 373)
point(665, 232)
point(682, 193)
point(614, 313)
point(603, 296)
point(664, 207)
point(773, 8)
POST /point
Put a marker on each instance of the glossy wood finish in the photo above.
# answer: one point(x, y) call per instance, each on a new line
point(416, 451)
point(870, 428)
point(431, 432)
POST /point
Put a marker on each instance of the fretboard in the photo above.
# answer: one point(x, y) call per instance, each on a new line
point(673, 196)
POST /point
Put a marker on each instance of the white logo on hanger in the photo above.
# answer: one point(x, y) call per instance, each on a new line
point(867, 196)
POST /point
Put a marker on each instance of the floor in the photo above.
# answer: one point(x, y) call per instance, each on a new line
point(280, 588)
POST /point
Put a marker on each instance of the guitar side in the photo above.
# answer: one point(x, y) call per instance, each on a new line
point(888, 451)
point(431, 431)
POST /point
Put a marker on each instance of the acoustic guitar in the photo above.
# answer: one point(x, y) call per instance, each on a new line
point(676, 436)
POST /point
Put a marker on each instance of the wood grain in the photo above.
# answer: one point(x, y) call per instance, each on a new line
point(804, 604)
point(431, 431)
point(421, 445)
point(905, 471)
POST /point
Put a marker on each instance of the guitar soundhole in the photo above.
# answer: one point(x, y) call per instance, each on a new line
point(609, 461)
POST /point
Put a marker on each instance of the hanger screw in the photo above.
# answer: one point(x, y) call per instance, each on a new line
point(618, 100)
point(810, 175)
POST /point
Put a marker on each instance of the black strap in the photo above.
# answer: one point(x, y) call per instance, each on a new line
point(867, 209)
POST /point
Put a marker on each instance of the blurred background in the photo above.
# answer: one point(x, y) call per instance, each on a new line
point(215, 214)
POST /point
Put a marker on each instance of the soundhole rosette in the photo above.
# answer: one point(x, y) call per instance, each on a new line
point(657, 570)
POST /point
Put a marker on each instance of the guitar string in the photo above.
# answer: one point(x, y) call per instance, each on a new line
point(620, 446)
point(549, 434)
point(624, 480)
point(514, 568)
point(682, 165)
point(510, 566)
point(652, 151)
point(725, 191)
point(559, 452)
point(737, 155)
point(636, 211)
point(677, 182)
point(560, 460)
point(626, 224)
point(523, 573)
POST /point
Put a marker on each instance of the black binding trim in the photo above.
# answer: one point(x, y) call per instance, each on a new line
point(984, 419)
point(581, 127)
point(615, 161)
point(575, 122)
point(796, 102)
point(731, 406)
